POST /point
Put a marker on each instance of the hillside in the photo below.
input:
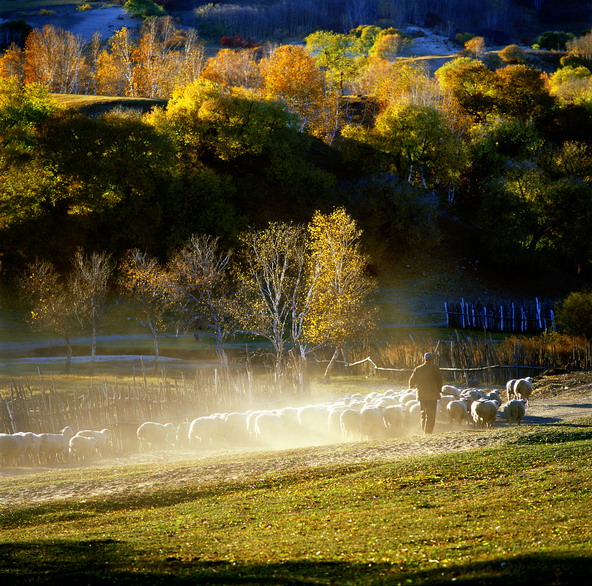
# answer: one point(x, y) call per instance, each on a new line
point(512, 21)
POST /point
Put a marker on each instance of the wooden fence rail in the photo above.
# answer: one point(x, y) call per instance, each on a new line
point(461, 373)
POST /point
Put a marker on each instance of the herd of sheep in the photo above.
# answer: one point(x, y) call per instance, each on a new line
point(378, 415)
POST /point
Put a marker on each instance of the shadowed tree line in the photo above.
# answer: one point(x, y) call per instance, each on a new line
point(494, 147)
point(299, 287)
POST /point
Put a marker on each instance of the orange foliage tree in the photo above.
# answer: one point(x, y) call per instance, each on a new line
point(234, 68)
point(291, 75)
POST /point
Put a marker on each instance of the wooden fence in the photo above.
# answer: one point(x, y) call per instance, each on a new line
point(523, 318)
point(123, 407)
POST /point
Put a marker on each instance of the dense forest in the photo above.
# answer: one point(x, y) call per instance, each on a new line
point(501, 21)
point(493, 143)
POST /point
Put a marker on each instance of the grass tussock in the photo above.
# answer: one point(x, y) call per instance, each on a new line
point(516, 513)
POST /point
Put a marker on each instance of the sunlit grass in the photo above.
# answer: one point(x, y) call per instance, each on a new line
point(512, 514)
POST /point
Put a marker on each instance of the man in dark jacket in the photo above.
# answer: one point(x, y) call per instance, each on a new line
point(427, 379)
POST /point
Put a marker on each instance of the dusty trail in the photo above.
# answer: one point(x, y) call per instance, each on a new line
point(556, 400)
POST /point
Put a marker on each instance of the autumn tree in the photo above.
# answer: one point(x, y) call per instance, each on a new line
point(419, 145)
point(270, 275)
point(520, 91)
point(52, 299)
point(290, 74)
point(145, 282)
point(115, 65)
point(211, 124)
point(158, 58)
point(234, 68)
point(574, 314)
point(471, 84)
point(55, 58)
point(89, 280)
point(338, 53)
point(200, 274)
point(338, 310)
point(571, 84)
point(23, 108)
point(395, 81)
point(12, 63)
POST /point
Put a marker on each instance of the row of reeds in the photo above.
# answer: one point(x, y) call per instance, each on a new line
point(477, 360)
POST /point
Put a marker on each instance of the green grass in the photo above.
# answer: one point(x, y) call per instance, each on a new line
point(519, 513)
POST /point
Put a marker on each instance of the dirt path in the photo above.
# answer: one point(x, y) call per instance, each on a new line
point(557, 400)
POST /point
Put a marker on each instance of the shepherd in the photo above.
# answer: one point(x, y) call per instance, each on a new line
point(427, 379)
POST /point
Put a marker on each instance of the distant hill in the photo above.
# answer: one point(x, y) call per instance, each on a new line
point(501, 22)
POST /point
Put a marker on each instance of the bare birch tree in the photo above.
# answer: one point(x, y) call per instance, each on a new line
point(52, 303)
point(269, 278)
point(89, 281)
point(200, 274)
point(146, 282)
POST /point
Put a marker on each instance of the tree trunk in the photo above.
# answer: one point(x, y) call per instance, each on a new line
point(93, 348)
point(68, 354)
point(329, 368)
point(155, 344)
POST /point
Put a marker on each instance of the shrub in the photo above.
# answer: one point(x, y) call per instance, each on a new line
point(83, 7)
point(143, 8)
point(513, 54)
point(554, 40)
point(574, 314)
point(463, 38)
point(571, 61)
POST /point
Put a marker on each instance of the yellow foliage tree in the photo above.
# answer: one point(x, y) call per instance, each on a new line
point(12, 63)
point(338, 309)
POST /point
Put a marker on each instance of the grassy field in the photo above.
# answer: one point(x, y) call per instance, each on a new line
point(518, 513)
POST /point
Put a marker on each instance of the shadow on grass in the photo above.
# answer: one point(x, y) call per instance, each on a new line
point(110, 561)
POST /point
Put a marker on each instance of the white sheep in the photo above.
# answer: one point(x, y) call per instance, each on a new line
point(102, 437)
point(334, 421)
point(371, 423)
point(451, 390)
point(393, 417)
point(408, 396)
point(494, 396)
point(82, 447)
point(313, 418)
point(204, 430)
point(413, 415)
point(484, 412)
point(155, 435)
point(522, 389)
point(12, 448)
point(233, 429)
point(510, 389)
point(269, 428)
point(54, 447)
point(33, 441)
point(457, 411)
point(515, 410)
point(182, 434)
point(350, 424)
